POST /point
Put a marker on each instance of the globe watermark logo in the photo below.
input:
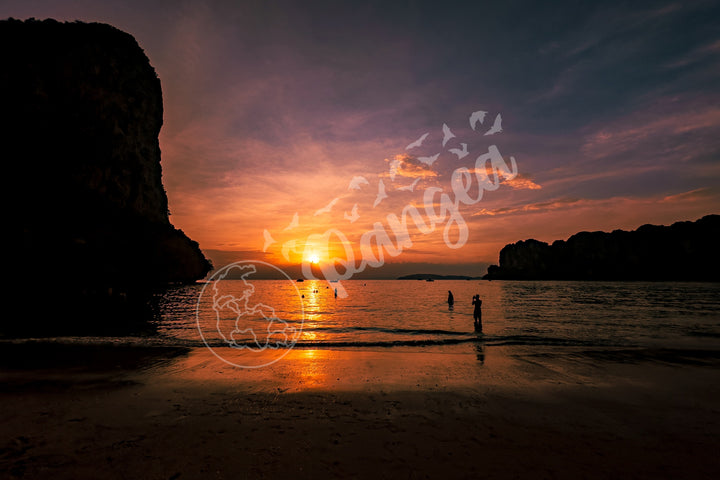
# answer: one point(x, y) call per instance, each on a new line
point(249, 323)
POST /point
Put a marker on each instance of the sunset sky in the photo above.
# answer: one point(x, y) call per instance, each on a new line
point(611, 111)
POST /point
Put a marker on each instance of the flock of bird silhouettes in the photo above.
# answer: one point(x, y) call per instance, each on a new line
point(357, 181)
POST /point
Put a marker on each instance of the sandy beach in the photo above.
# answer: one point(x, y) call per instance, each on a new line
point(504, 412)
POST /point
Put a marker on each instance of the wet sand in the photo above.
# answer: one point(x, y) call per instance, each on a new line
point(502, 412)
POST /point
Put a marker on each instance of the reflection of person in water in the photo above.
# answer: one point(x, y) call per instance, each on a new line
point(477, 313)
point(451, 300)
point(480, 352)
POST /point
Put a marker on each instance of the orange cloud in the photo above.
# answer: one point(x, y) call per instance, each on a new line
point(692, 195)
point(406, 165)
point(522, 182)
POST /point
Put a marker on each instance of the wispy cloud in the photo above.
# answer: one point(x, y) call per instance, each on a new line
point(697, 195)
point(522, 182)
point(697, 55)
point(645, 128)
point(557, 204)
point(694, 200)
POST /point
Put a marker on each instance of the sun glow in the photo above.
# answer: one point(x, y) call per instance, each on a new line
point(314, 259)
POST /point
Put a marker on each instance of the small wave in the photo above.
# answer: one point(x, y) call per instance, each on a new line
point(372, 343)
point(408, 331)
point(531, 340)
point(703, 334)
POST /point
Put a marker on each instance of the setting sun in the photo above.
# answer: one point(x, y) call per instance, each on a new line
point(314, 259)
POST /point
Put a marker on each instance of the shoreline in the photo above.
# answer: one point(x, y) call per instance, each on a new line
point(518, 413)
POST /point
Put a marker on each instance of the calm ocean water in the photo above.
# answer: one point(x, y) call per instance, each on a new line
point(415, 314)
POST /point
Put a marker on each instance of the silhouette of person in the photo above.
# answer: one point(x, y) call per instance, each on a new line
point(477, 313)
point(336, 293)
point(451, 300)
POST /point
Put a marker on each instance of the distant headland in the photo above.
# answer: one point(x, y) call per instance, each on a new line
point(683, 251)
point(432, 276)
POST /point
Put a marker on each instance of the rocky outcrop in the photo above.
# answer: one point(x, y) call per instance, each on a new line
point(81, 113)
point(682, 251)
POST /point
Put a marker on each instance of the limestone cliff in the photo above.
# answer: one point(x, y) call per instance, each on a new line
point(682, 251)
point(81, 113)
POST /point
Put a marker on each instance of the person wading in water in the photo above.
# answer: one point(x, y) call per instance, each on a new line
point(477, 313)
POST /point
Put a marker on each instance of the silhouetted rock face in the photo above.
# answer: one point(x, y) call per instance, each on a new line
point(682, 251)
point(81, 113)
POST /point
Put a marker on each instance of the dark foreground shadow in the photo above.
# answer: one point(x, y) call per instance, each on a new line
point(43, 367)
point(89, 358)
point(86, 311)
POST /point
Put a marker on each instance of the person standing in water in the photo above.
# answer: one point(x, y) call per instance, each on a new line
point(477, 313)
point(451, 300)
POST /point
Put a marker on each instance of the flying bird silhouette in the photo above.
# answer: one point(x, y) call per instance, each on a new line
point(411, 187)
point(287, 246)
point(496, 127)
point(326, 208)
point(353, 214)
point(394, 167)
point(429, 160)
point(293, 223)
point(417, 142)
point(268, 240)
point(381, 193)
point(356, 182)
point(447, 134)
point(476, 117)
point(461, 153)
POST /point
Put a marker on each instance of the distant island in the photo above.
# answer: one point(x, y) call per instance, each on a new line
point(432, 276)
point(684, 251)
